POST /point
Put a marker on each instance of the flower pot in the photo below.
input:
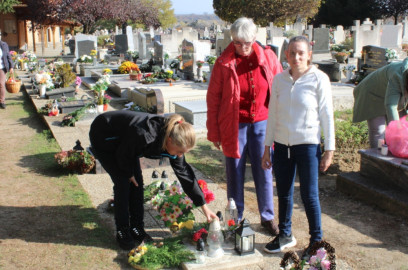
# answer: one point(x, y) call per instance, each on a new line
point(136, 77)
point(99, 108)
point(199, 74)
point(41, 90)
point(105, 107)
point(340, 58)
point(349, 75)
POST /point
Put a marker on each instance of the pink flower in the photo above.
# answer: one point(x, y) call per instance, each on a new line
point(174, 190)
point(321, 254)
point(188, 202)
point(325, 264)
point(177, 210)
point(313, 260)
point(172, 217)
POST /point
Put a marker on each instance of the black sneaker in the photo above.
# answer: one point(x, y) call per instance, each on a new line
point(280, 243)
point(2, 105)
point(124, 239)
point(140, 235)
point(306, 253)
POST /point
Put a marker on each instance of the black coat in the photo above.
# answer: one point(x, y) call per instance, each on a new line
point(129, 135)
point(6, 59)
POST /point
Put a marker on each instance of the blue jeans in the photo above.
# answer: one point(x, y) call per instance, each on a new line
point(306, 159)
point(251, 138)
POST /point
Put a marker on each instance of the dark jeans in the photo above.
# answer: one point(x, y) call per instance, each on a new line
point(129, 205)
point(306, 159)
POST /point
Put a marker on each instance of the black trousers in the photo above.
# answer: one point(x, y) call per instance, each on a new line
point(129, 203)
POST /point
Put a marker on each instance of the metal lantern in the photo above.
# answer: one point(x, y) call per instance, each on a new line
point(244, 239)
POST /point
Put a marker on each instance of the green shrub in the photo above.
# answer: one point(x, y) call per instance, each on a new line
point(350, 135)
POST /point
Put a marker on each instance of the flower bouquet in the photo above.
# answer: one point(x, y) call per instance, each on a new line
point(323, 258)
point(200, 63)
point(210, 59)
point(77, 161)
point(85, 59)
point(127, 66)
point(390, 54)
point(149, 78)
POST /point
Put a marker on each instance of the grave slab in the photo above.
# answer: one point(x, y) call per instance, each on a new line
point(194, 112)
point(230, 260)
point(59, 92)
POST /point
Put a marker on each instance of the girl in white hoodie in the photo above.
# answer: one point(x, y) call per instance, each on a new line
point(300, 106)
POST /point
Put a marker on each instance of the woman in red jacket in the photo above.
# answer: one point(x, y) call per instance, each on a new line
point(237, 111)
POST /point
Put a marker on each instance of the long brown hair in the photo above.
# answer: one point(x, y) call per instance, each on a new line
point(181, 133)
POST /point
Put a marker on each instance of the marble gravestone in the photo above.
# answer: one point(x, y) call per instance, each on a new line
point(373, 58)
point(158, 53)
point(142, 45)
point(84, 44)
point(85, 47)
point(321, 38)
point(121, 44)
point(188, 59)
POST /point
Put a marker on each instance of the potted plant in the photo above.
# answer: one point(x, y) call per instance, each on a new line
point(106, 100)
point(78, 82)
point(135, 74)
point(341, 57)
point(77, 161)
point(200, 63)
point(100, 87)
point(66, 75)
point(210, 59)
point(133, 54)
point(348, 71)
point(43, 81)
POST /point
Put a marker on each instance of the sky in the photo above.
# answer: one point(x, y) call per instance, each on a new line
point(192, 6)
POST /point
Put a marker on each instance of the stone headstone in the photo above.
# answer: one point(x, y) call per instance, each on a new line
point(309, 32)
point(373, 58)
point(158, 53)
point(405, 30)
point(391, 37)
point(81, 47)
point(121, 44)
point(129, 34)
point(339, 35)
point(85, 47)
point(206, 33)
point(332, 69)
point(142, 45)
point(157, 38)
point(187, 50)
point(321, 38)
point(71, 45)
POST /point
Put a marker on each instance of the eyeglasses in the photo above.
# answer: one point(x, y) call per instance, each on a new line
point(242, 44)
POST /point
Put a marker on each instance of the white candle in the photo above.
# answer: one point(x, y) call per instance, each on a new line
point(380, 143)
point(245, 244)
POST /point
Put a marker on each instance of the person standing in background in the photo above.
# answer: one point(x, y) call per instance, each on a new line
point(237, 103)
point(6, 65)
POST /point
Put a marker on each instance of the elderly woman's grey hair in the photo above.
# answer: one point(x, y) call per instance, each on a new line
point(244, 29)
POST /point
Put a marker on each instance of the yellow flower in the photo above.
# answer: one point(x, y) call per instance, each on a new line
point(93, 52)
point(189, 224)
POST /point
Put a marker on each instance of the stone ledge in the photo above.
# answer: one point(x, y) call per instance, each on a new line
point(354, 184)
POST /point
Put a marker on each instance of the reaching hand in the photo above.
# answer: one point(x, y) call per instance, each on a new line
point(133, 180)
point(208, 213)
point(218, 145)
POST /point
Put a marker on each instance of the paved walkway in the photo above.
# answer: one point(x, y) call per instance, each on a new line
point(99, 186)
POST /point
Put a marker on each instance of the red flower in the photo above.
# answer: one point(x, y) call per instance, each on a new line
point(203, 231)
point(196, 236)
point(202, 184)
point(231, 222)
point(208, 196)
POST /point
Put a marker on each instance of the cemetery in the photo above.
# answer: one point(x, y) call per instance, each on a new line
point(166, 72)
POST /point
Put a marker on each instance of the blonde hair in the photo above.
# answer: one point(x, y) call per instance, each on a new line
point(181, 133)
point(244, 29)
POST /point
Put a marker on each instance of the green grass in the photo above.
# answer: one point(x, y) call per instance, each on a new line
point(349, 137)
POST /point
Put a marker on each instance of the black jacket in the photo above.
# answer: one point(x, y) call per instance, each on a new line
point(6, 59)
point(129, 135)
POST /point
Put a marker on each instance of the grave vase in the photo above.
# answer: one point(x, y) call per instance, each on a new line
point(41, 90)
point(99, 108)
point(199, 74)
point(349, 75)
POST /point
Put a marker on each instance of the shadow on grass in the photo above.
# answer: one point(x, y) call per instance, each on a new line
point(67, 224)
point(43, 163)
